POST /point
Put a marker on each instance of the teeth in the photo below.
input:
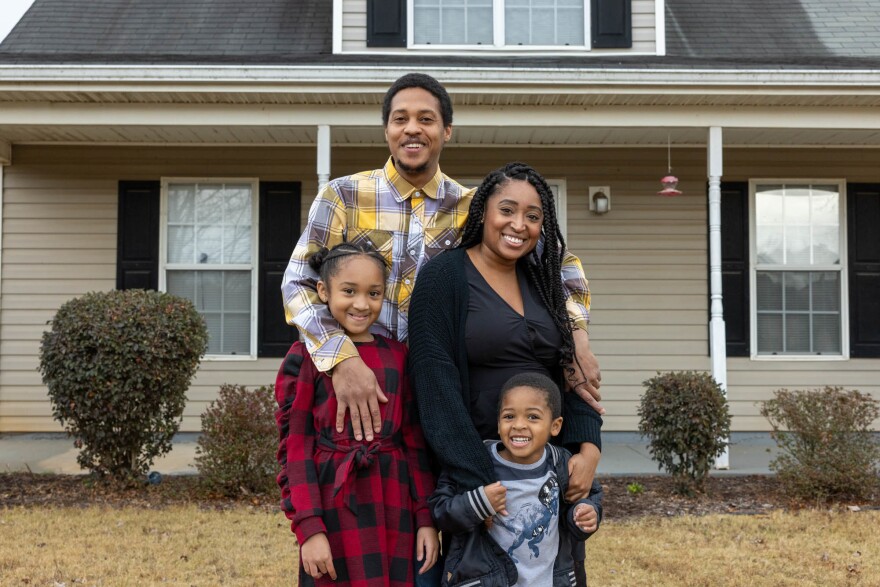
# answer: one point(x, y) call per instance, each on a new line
point(513, 239)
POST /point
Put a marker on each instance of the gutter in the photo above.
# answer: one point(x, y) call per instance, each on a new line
point(353, 78)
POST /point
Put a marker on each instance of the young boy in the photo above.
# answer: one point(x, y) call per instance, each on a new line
point(518, 531)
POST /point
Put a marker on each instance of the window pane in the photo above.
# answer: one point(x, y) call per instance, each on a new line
point(797, 206)
point(769, 333)
point(214, 322)
point(209, 241)
point(797, 292)
point(826, 291)
point(797, 333)
point(180, 244)
point(237, 244)
point(237, 291)
point(769, 290)
point(209, 291)
point(180, 203)
point(797, 245)
point(236, 334)
point(769, 245)
point(544, 22)
point(826, 245)
point(181, 283)
point(453, 22)
point(826, 334)
point(768, 205)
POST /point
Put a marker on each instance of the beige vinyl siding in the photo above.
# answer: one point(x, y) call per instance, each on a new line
point(354, 30)
point(59, 241)
point(646, 259)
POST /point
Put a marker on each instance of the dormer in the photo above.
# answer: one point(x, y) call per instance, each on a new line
point(482, 28)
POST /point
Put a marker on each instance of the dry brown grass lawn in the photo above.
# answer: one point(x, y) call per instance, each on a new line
point(185, 545)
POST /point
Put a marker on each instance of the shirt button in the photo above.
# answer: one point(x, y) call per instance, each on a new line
point(412, 252)
point(406, 281)
point(448, 243)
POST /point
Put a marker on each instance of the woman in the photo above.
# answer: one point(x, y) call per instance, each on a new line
point(487, 310)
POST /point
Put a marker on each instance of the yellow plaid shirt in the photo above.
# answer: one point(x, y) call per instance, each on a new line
point(408, 226)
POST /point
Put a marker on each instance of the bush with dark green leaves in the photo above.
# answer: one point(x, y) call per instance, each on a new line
point(685, 417)
point(827, 448)
point(235, 453)
point(117, 365)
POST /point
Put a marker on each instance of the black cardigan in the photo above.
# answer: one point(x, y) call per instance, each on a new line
point(438, 369)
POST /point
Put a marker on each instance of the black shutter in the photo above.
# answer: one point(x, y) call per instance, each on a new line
point(863, 208)
point(735, 265)
point(386, 23)
point(279, 231)
point(137, 235)
point(612, 24)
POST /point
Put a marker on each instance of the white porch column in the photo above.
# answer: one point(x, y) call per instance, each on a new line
point(323, 155)
point(717, 344)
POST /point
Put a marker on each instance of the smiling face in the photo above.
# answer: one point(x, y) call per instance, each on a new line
point(415, 134)
point(525, 424)
point(512, 222)
point(354, 295)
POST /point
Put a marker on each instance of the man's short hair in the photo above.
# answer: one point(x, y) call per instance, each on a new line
point(425, 82)
point(539, 382)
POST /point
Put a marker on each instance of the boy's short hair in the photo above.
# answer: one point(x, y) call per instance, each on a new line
point(539, 382)
point(425, 82)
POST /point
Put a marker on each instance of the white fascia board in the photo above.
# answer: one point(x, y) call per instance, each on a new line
point(232, 115)
point(334, 78)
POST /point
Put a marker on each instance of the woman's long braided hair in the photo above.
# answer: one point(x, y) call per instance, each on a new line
point(545, 270)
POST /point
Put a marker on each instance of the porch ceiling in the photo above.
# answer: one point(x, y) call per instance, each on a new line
point(543, 136)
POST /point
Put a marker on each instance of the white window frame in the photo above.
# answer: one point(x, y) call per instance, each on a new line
point(561, 199)
point(842, 269)
point(498, 34)
point(253, 267)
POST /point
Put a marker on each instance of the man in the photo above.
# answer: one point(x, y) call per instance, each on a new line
point(410, 211)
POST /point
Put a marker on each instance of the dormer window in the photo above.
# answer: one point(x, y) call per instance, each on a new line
point(499, 23)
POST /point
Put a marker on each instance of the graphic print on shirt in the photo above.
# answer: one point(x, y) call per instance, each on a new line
point(532, 521)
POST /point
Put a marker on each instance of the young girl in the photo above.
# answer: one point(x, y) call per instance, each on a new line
point(358, 508)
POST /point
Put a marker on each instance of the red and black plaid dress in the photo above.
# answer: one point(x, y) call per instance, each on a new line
point(369, 497)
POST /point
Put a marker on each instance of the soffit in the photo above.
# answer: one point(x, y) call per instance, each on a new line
point(464, 136)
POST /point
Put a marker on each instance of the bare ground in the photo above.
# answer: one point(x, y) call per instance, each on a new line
point(733, 494)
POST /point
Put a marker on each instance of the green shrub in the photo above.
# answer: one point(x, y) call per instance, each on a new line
point(117, 365)
point(236, 450)
point(684, 415)
point(827, 447)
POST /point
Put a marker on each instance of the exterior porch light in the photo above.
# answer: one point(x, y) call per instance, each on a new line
point(600, 199)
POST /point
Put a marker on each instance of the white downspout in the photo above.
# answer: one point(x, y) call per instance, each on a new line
point(323, 155)
point(717, 344)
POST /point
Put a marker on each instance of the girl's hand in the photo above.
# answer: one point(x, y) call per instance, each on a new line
point(427, 547)
point(586, 518)
point(316, 557)
point(497, 495)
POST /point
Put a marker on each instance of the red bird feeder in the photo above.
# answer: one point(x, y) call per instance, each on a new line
point(670, 182)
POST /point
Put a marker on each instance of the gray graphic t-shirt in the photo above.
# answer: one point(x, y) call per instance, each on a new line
point(530, 530)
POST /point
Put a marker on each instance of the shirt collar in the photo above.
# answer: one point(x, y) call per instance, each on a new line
point(405, 189)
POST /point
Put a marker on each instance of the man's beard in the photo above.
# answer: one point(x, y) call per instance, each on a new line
point(417, 170)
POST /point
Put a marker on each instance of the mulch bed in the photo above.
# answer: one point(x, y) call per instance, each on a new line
point(732, 494)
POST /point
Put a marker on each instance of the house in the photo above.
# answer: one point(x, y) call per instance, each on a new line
point(179, 145)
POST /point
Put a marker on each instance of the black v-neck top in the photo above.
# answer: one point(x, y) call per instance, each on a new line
point(501, 343)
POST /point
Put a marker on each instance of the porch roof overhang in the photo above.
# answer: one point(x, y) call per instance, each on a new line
point(274, 105)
